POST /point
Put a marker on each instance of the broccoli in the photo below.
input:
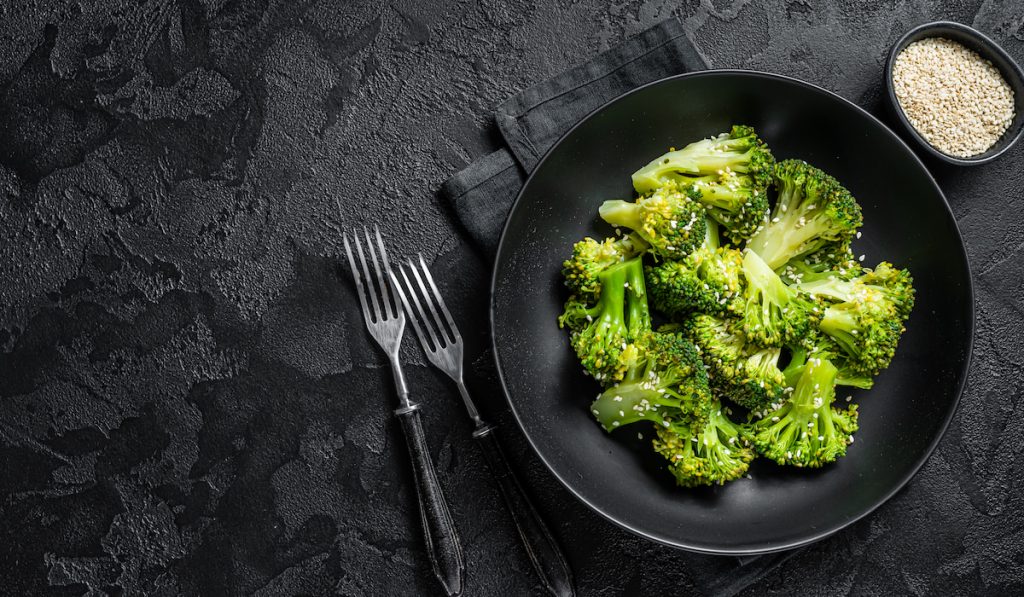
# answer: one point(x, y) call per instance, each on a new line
point(747, 374)
point(827, 348)
point(834, 260)
point(665, 383)
point(603, 335)
point(591, 257)
point(672, 223)
point(769, 310)
point(886, 286)
point(708, 454)
point(806, 430)
point(868, 322)
point(740, 151)
point(736, 201)
point(708, 280)
point(774, 313)
point(811, 211)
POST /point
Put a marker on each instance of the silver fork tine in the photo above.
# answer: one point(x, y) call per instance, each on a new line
point(430, 304)
point(369, 280)
point(358, 278)
point(387, 272)
point(381, 282)
point(422, 314)
point(440, 301)
point(408, 308)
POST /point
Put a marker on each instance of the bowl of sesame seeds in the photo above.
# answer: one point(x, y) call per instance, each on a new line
point(959, 94)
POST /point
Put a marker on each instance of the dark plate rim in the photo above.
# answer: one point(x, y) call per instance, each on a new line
point(733, 551)
point(988, 46)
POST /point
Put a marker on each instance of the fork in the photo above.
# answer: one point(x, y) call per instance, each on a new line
point(443, 346)
point(386, 322)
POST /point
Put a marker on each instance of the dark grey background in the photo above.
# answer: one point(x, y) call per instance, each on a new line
point(188, 400)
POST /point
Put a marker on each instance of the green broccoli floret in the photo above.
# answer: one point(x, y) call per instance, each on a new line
point(806, 430)
point(708, 454)
point(666, 382)
point(740, 151)
point(867, 336)
point(709, 280)
point(867, 323)
point(672, 223)
point(603, 335)
point(736, 201)
point(812, 210)
point(746, 373)
point(835, 259)
point(591, 257)
point(886, 286)
point(824, 346)
point(774, 313)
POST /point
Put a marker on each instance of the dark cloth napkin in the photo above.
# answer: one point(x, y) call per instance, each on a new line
point(530, 123)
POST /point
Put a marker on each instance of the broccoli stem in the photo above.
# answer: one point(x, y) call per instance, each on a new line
point(808, 411)
point(621, 213)
point(712, 240)
point(791, 236)
point(764, 279)
point(639, 314)
point(722, 197)
point(795, 368)
point(632, 401)
point(842, 326)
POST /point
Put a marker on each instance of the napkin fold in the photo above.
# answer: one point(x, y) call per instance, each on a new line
point(530, 122)
point(534, 119)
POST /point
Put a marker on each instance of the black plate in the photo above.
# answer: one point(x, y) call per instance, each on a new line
point(906, 221)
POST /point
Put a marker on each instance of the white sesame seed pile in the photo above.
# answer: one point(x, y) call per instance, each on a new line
point(955, 99)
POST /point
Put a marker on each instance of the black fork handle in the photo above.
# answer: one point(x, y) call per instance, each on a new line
point(443, 546)
point(544, 553)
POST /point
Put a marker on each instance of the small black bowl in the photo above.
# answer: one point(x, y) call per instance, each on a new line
point(987, 49)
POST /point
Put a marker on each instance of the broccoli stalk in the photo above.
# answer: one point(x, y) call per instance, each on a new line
point(672, 223)
point(811, 211)
point(708, 454)
point(806, 430)
point(774, 313)
point(666, 382)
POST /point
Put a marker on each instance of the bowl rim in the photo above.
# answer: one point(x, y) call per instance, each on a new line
point(990, 47)
point(740, 551)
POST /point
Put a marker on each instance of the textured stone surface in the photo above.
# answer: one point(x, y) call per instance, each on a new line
point(188, 401)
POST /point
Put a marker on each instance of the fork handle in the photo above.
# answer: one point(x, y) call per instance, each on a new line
point(544, 553)
point(443, 546)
